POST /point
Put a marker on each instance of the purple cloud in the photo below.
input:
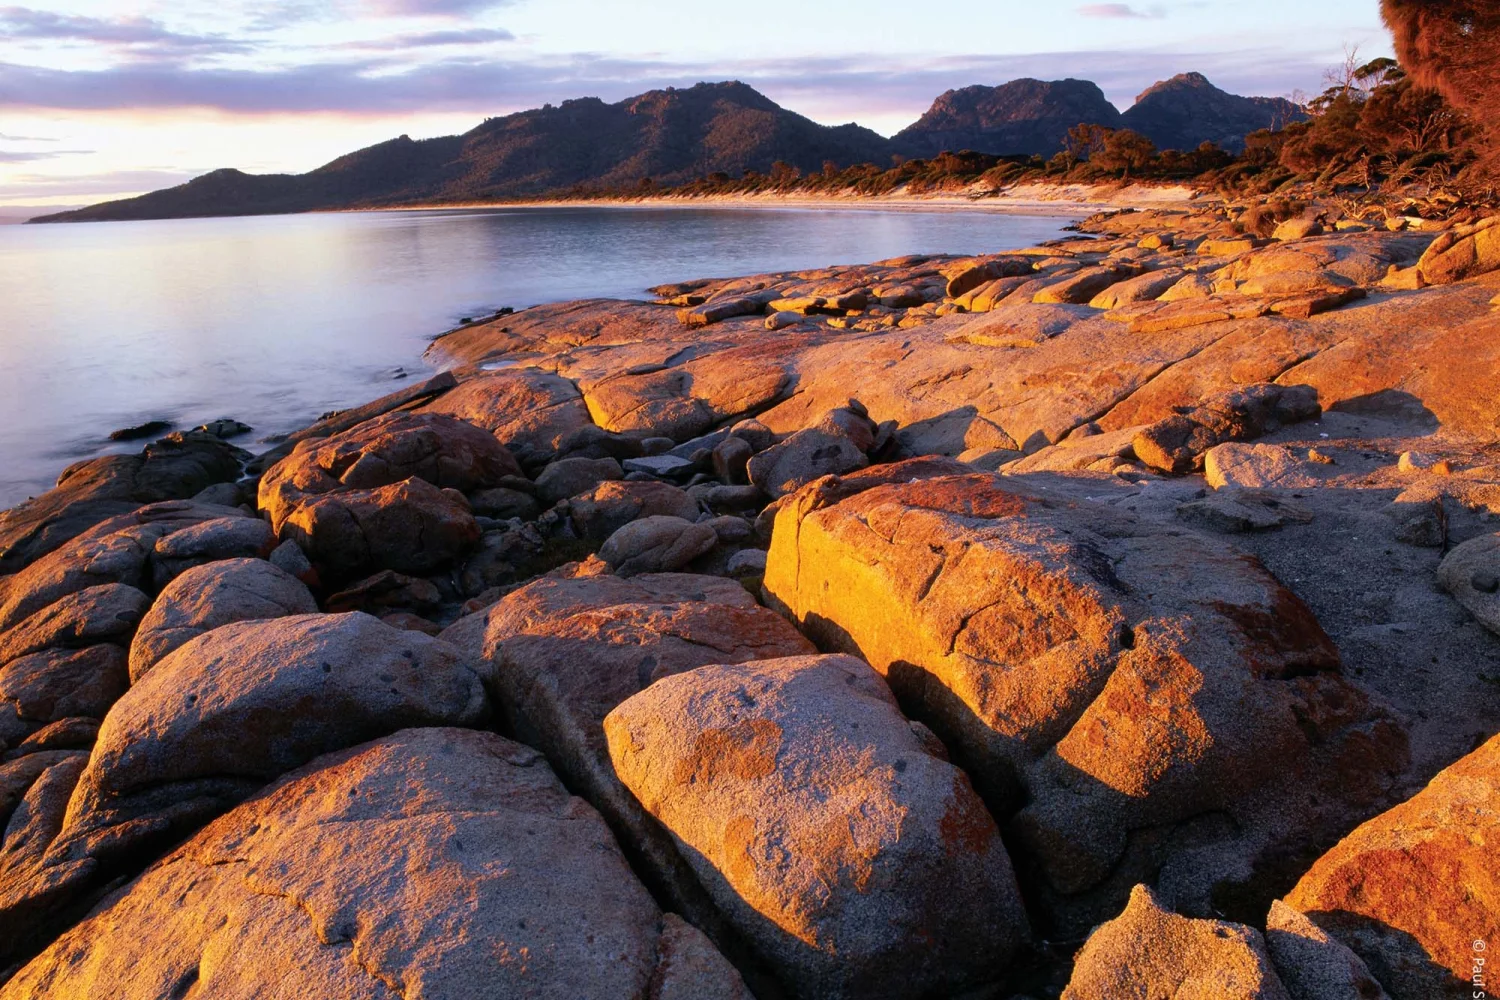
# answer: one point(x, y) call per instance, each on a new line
point(16, 156)
point(1115, 10)
point(433, 39)
point(434, 8)
point(114, 182)
point(24, 23)
point(829, 87)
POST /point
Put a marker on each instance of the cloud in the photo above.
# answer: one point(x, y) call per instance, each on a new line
point(433, 39)
point(115, 182)
point(434, 8)
point(828, 88)
point(24, 23)
point(26, 138)
point(16, 156)
point(1117, 10)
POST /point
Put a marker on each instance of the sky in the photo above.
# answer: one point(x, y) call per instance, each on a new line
point(102, 99)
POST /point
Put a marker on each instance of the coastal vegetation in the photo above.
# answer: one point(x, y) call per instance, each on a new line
point(1376, 138)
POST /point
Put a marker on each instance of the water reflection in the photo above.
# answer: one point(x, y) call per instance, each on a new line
point(276, 320)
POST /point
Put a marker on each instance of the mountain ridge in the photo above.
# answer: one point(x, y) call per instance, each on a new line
point(671, 136)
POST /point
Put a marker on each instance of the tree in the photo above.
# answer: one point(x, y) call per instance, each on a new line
point(1124, 151)
point(1084, 141)
point(1452, 46)
point(784, 175)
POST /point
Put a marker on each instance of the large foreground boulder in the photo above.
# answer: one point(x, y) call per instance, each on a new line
point(433, 863)
point(560, 654)
point(1413, 890)
point(208, 725)
point(858, 862)
point(1148, 953)
point(1113, 677)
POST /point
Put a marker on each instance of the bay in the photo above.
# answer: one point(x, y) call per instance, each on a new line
point(273, 320)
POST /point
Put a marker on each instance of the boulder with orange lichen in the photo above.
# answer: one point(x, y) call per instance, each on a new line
point(1114, 677)
point(1413, 890)
point(858, 862)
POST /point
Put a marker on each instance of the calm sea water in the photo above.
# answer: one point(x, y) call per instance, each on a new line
point(275, 320)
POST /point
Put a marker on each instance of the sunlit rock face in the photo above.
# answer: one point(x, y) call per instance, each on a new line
point(857, 861)
point(1101, 678)
point(434, 862)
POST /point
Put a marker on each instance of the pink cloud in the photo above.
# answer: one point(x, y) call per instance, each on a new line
point(1114, 10)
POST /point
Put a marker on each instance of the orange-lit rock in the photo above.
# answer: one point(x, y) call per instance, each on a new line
point(560, 654)
point(1110, 675)
point(1412, 890)
point(373, 497)
point(208, 725)
point(529, 410)
point(857, 862)
point(435, 862)
point(1148, 952)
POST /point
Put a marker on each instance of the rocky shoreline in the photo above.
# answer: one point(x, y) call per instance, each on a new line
point(1111, 618)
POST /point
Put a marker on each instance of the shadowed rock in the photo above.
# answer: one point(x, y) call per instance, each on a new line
point(610, 506)
point(658, 544)
point(1471, 573)
point(175, 468)
point(1313, 965)
point(1178, 443)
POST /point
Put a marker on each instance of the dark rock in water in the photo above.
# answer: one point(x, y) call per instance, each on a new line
point(225, 427)
point(174, 468)
point(139, 431)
